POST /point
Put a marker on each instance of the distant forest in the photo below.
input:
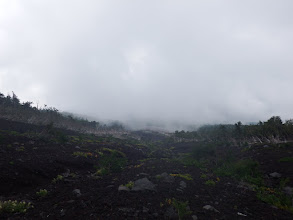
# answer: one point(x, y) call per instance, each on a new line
point(12, 109)
point(274, 129)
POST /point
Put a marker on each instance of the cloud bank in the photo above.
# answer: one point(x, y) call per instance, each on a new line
point(186, 61)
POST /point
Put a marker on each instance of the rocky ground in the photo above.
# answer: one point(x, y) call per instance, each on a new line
point(66, 175)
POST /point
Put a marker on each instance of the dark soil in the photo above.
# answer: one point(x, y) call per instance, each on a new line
point(33, 156)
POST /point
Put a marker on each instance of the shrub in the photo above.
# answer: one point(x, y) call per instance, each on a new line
point(14, 206)
point(57, 179)
point(130, 184)
point(42, 193)
point(112, 160)
point(275, 197)
point(182, 208)
point(210, 183)
point(246, 170)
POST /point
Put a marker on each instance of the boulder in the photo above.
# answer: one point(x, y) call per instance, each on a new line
point(143, 184)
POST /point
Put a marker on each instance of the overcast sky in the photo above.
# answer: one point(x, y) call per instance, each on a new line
point(187, 61)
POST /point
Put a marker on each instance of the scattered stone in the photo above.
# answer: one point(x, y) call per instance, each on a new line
point(288, 190)
point(241, 214)
point(210, 208)
point(15, 143)
point(182, 185)
point(66, 173)
point(126, 209)
point(171, 213)
point(71, 201)
point(123, 188)
point(165, 177)
point(155, 215)
point(76, 192)
point(266, 146)
point(110, 186)
point(62, 212)
point(143, 184)
point(143, 174)
point(275, 175)
point(77, 147)
point(194, 217)
point(145, 210)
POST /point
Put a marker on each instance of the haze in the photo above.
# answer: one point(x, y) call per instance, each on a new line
point(185, 62)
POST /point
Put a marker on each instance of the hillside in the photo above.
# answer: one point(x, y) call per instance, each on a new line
point(69, 175)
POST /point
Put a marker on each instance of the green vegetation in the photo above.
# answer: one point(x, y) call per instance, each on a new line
point(184, 176)
point(203, 150)
point(20, 148)
point(57, 179)
point(286, 159)
point(273, 127)
point(210, 183)
point(130, 184)
point(110, 161)
point(246, 170)
point(14, 206)
point(182, 208)
point(102, 171)
point(276, 196)
point(203, 176)
point(82, 154)
point(42, 193)
point(11, 107)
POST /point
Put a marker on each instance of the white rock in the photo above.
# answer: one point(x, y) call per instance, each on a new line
point(275, 175)
point(123, 188)
point(210, 208)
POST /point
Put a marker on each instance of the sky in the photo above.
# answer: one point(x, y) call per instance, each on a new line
point(166, 61)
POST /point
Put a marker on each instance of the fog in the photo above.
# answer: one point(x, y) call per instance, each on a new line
point(168, 62)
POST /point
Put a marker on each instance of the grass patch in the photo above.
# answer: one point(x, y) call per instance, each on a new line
point(82, 154)
point(129, 185)
point(182, 208)
point(14, 206)
point(42, 193)
point(58, 179)
point(275, 197)
point(246, 170)
point(210, 183)
point(184, 176)
point(110, 161)
point(286, 159)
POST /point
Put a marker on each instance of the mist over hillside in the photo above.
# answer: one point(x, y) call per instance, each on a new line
point(191, 62)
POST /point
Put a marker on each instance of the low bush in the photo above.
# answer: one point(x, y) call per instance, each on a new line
point(182, 208)
point(246, 170)
point(14, 206)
